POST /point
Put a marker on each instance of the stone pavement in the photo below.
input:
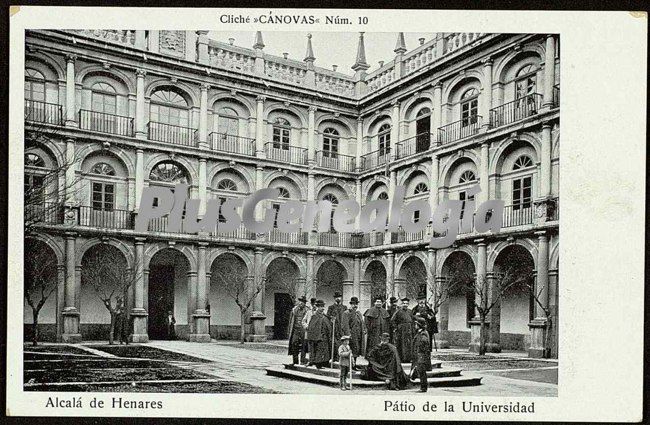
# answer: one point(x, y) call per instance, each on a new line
point(231, 362)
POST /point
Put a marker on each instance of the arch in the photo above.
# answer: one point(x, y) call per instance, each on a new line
point(507, 60)
point(233, 174)
point(412, 271)
point(125, 159)
point(343, 261)
point(329, 278)
point(47, 148)
point(238, 169)
point(298, 116)
point(186, 91)
point(154, 160)
point(56, 69)
point(87, 244)
point(290, 181)
point(243, 106)
point(82, 77)
point(230, 265)
point(297, 260)
point(554, 257)
point(505, 148)
point(502, 246)
point(185, 250)
point(375, 191)
point(456, 165)
point(326, 187)
point(216, 252)
point(105, 157)
point(412, 106)
point(467, 250)
point(374, 272)
point(413, 179)
point(51, 243)
point(461, 81)
point(372, 123)
point(324, 119)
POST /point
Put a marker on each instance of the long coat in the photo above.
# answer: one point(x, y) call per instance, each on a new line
point(422, 350)
point(392, 309)
point(402, 322)
point(318, 335)
point(352, 324)
point(296, 331)
point(335, 314)
point(377, 322)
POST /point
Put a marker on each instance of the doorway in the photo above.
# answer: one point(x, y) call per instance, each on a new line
point(282, 311)
point(161, 300)
point(422, 129)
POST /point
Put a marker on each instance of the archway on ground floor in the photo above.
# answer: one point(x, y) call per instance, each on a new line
point(283, 286)
point(41, 282)
point(229, 282)
point(513, 271)
point(329, 279)
point(105, 278)
point(458, 274)
point(167, 292)
point(375, 275)
point(412, 279)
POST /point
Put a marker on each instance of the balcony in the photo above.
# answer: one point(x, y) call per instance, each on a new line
point(240, 233)
point(105, 219)
point(374, 159)
point(43, 112)
point(293, 238)
point(556, 96)
point(335, 161)
point(44, 213)
point(170, 133)
point(414, 145)
point(341, 240)
point(286, 153)
point(516, 110)
point(518, 215)
point(231, 143)
point(459, 130)
point(403, 236)
point(105, 123)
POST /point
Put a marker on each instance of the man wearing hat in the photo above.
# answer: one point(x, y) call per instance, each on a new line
point(305, 320)
point(402, 322)
point(392, 309)
point(352, 325)
point(297, 332)
point(319, 333)
point(422, 353)
point(384, 365)
point(377, 322)
point(424, 311)
point(335, 314)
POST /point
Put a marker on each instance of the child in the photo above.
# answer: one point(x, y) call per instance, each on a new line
point(344, 361)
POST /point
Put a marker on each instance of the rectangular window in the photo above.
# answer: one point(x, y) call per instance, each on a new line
point(222, 200)
point(522, 192)
point(103, 196)
point(276, 211)
point(463, 197)
point(469, 112)
point(34, 188)
point(384, 144)
point(416, 216)
point(281, 138)
point(330, 147)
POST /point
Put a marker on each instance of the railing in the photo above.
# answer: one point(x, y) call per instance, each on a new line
point(161, 225)
point(294, 238)
point(106, 219)
point(403, 236)
point(286, 153)
point(420, 57)
point(334, 84)
point(341, 240)
point(231, 59)
point(516, 110)
point(373, 239)
point(44, 213)
point(49, 113)
point(459, 130)
point(335, 161)
point(105, 123)
point(460, 39)
point(374, 159)
point(169, 133)
point(556, 95)
point(284, 71)
point(518, 215)
point(239, 233)
point(232, 144)
point(414, 145)
point(381, 78)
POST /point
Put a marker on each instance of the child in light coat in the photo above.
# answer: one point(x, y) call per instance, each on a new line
point(345, 355)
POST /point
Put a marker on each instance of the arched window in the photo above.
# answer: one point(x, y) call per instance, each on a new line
point(333, 199)
point(284, 193)
point(423, 112)
point(228, 122)
point(103, 98)
point(469, 107)
point(34, 183)
point(33, 160)
point(34, 85)
point(281, 134)
point(330, 143)
point(227, 184)
point(423, 130)
point(169, 107)
point(383, 137)
point(523, 161)
point(168, 172)
point(525, 81)
point(522, 187)
point(103, 169)
point(383, 196)
point(420, 188)
point(466, 177)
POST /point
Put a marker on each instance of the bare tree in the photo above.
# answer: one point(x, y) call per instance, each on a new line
point(538, 294)
point(40, 280)
point(440, 291)
point(107, 272)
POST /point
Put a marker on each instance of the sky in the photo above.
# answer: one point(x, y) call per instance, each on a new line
point(330, 48)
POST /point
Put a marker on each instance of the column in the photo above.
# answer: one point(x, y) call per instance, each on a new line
point(203, 181)
point(311, 136)
point(394, 130)
point(356, 277)
point(202, 49)
point(390, 273)
point(432, 293)
point(392, 182)
point(545, 166)
point(309, 278)
point(257, 317)
point(201, 317)
point(436, 118)
point(491, 339)
point(549, 72)
point(140, 124)
point(487, 93)
point(538, 327)
point(203, 117)
point(139, 177)
point(484, 178)
point(139, 314)
point(70, 96)
point(70, 184)
point(140, 40)
point(443, 316)
point(259, 128)
point(70, 312)
point(433, 182)
point(359, 145)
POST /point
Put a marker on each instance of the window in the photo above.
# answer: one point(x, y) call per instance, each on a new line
point(227, 184)
point(103, 99)
point(276, 211)
point(469, 107)
point(168, 172)
point(33, 160)
point(103, 196)
point(522, 192)
point(33, 187)
point(383, 196)
point(463, 197)
point(416, 216)
point(330, 143)
point(525, 81)
point(420, 188)
point(466, 177)
point(34, 85)
point(103, 169)
point(284, 193)
point(222, 200)
point(422, 129)
point(523, 161)
point(383, 138)
point(228, 122)
point(281, 134)
point(169, 107)
point(334, 200)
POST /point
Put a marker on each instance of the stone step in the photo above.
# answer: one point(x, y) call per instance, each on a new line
point(406, 366)
point(436, 372)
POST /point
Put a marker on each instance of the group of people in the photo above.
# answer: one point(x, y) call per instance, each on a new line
point(385, 336)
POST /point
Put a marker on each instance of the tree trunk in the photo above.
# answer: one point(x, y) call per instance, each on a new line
point(481, 345)
point(242, 331)
point(547, 337)
point(35, 326)
point(112, 329)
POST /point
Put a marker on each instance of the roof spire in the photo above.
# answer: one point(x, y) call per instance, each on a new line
point(259, 43)
point(309, 56)
point(400, 47)
point(360, 64)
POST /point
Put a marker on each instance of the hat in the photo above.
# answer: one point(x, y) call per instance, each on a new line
point(344, 337)
point(420, 321)
point(313, 301)
point(385, 335)
point(354, 300)
point(406, 299)
point(380, 299)
point(337, 295)
point(303, 299)
point(393, 299)
point(320, 303)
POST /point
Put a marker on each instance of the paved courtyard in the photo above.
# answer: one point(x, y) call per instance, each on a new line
point(227, 366)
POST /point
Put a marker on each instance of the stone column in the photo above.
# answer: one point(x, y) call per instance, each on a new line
point(442, 340)
point(394, 130)
point(138, 313)
point(357, 163)
point(549, 72)
point(538, 344)
point(259, 128)
point(70, 93)
point(203, 117)
point(70, 184)
point(310, 281)
point(311, 136)
point(491, 345)
point(433, 182)
point(139, 177)
point(140, 119)
point(390, 273)
point(545, 166)
point(202, 49)
point(436, 118)
point(203, 185)
point(356, 276)
point(201, 317)
point(257, 317)
point(70, 312)
point(487, 93)
point(392, 182)
point(484, 172)
point(432, 293)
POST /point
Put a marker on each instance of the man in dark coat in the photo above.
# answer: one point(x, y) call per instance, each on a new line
point(377, 322)
point(319, 333)
point(402, 322)
point(121, 323)
point(352, 326)
point(422, 353)
point(171, 325)
point(297, 332)
point(384, 365)
point(335, 314)
point(391, 308)
point(424, 311)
